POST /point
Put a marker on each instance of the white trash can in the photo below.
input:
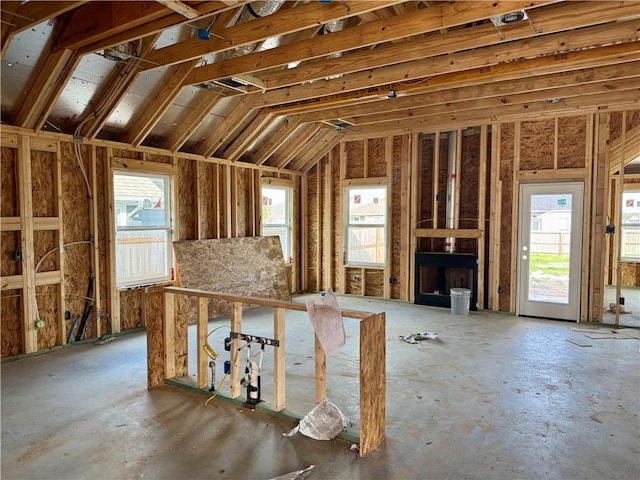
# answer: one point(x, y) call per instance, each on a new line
point(460, 300)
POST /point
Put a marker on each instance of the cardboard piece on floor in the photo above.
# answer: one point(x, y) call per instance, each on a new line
point(592, 329)
point(613, 336)
point(629, 332)
point(297, 475)
point(324, 422)
point(578, 342)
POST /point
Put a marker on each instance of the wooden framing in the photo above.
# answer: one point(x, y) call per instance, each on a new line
point(372, 354)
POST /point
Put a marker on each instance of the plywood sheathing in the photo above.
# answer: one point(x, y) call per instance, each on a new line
point(425, 190)
point(374, 283)
point(101, 236)
point(507, 158)
point(313, 229)
point(376, 161)
point(630, 274)
point(354, 159)
point(132, 309)
point(354, 281)
point(243, 202)
point(336, 218)
point(76, 228)
point(324, 226)
point(395, 222)
point(572, 138)
point(537, 144)
point(468, 177)
point(251, 266)
point(185, 208)
point(207, 191)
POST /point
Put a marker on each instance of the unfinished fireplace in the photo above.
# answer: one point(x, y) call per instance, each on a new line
point(438, 273)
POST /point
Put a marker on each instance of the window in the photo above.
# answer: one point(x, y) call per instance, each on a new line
point(276, 216)
point(367, 225)
point(630, 234)
point(143, 228)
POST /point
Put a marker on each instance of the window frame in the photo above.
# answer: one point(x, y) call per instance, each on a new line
point(349, 224)
point(167, 227)
point(288, 225)
point(632, 189)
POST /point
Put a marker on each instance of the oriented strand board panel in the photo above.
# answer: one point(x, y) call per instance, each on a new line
point(186, 218)
point(8, 188)
point(76, 228)
point(506, 176)
point(469, 171)
point(425, 210)
point(630, 274)
point(354, 159)
point(250, 266)
point(572, 140)
point(43, 169)
point(396, 216)
point(313, 229)
point(47, 296)
point(353, 281)
point(374, 284)
point(243, 200)
point(537, 140)
point(207, 192)
point(376, 163)
point(11, 313)
point(132, 309)
point(336, 232)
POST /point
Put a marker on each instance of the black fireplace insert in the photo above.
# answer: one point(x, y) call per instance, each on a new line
point(437, 273)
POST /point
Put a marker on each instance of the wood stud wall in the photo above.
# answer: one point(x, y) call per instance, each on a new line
point(45, 204)
point(496, 158)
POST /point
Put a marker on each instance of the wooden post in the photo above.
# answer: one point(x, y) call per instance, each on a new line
point(405, 218)
point(201, 334)
point(304, 234)
point(236, 326)
point(495, 203)
point(327, 238)
point(93, 232)
point(482, 207)
point(169, 334)
point(232, 201)
point(114, 296)
point(342, 280)
point(388, 157)
point(279, 365)
point(215, 201)
point(414, 199)
point(25, 199)
point(436, 179)
point(373, 383)
point(320, 371)
point(600, 187)
point(62, 336)
point(586, 232)
point(515, 193)
point(618, 210)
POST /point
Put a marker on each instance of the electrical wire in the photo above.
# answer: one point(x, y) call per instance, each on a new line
point(217, 390)
point(208, 348)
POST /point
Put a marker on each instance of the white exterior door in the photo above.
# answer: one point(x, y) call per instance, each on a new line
point(550, 250)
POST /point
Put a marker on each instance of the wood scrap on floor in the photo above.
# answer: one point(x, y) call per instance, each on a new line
point(579, 343)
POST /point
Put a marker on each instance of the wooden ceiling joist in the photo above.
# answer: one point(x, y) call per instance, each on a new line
point(493, 89)
point(287, 21)
point(205, 103)
point(249, 135)
point(417, 22)
point(631, 150)
point(276, 139)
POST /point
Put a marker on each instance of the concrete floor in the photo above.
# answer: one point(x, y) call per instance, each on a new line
point(493, 397)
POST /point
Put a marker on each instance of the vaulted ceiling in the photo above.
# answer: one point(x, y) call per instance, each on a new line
point(278, 83)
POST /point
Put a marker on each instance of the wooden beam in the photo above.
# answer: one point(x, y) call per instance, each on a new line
point(280, 23)
point(328, 144)
point(28, 15)
point(448, 232)
point(275, 140)
point(186, 126)
point(320, 361)
point(279, 363)
point(105, 19)
point(114, 295)
point(205, 9)
point(114, 90)
point(490, 62)
point(378, 31)
point(306, 135)
point(236, 326)
point(25, 202)
point(163, 100)
point(201, 340)
point(503, 90)
point(180, 8)
point(482, 208)
point(237, 110)
point(249, 135)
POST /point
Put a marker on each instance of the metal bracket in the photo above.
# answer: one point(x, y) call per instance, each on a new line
point(255, 339)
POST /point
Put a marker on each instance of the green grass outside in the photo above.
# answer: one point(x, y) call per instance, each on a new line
point(549, 264)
